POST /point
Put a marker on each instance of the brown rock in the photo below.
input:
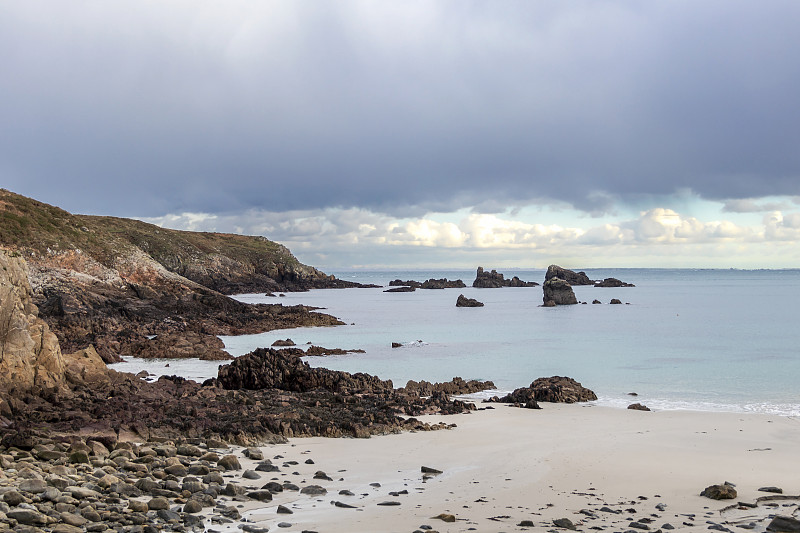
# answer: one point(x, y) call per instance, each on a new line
point(726, 491)
point(559, 292)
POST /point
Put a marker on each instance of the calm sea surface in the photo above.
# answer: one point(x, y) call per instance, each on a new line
point(720, 340)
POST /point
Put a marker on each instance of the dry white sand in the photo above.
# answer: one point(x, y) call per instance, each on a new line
point(506, 465)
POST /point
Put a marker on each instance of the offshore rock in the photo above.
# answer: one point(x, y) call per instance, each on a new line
point(495, 280)
point(463, 301)
point(556, 291)
point(556, 389)
point(404, 288)
point(442, 283)
point(613, 282)
point(570, 276)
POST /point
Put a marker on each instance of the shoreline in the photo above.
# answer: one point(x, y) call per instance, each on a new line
point(506, 465)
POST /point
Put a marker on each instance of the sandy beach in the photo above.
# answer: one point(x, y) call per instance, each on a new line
point(506, 465)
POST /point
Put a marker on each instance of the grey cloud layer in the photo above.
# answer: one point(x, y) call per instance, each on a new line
point(135, 108)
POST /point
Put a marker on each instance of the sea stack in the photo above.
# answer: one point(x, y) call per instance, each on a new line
point(556, 291)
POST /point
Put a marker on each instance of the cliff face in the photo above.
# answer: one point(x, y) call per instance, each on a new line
point(30, 357)
point(113, 283)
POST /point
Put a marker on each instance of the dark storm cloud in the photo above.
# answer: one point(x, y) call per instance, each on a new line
point(150, 108)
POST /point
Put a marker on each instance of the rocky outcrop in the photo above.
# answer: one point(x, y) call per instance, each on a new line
point(442, 283)
point(281, 369)
point(463, 301)
point(556, 291)
point(495, 280)
point(180, 345)
point(613, 282)
point(456, 386)
point(556, 389)
point(571, 277)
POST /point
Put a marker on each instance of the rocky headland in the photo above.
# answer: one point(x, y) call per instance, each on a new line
point(131, 288)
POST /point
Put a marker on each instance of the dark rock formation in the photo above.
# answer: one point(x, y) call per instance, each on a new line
point(556, 291)
point(613, 282)
point(615, 301)
point(443, 283)
point(726, 491)
point(463, 301)
point(638, 407)
point(320, 351)
point(276, 369)
point(554, 389)
point(784, 524)
point(495, 280)
point(401, 289)
point(283, 343)
point(454, 387)
point(571, 277)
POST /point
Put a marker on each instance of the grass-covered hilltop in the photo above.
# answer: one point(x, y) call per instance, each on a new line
point(114, 282)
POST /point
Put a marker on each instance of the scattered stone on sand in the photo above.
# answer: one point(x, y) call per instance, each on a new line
point(774, 490)
point(566, 523)
point(314, 490)
point(638, 407)
point(282, 509)
point(429, 470)
point(445, 517)
point(783, 523)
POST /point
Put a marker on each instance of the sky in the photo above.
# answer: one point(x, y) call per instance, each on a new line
point(426, 134)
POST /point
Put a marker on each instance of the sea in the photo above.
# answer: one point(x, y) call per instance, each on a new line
point(688, 339)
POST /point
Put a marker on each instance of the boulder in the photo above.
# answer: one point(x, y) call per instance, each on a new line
point(726, 491)
point(463, 301)
point(782, 523)
point(557, 291)
point(638, 407)
point(570, 276)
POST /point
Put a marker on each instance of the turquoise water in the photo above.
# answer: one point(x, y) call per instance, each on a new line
point(721, 340)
